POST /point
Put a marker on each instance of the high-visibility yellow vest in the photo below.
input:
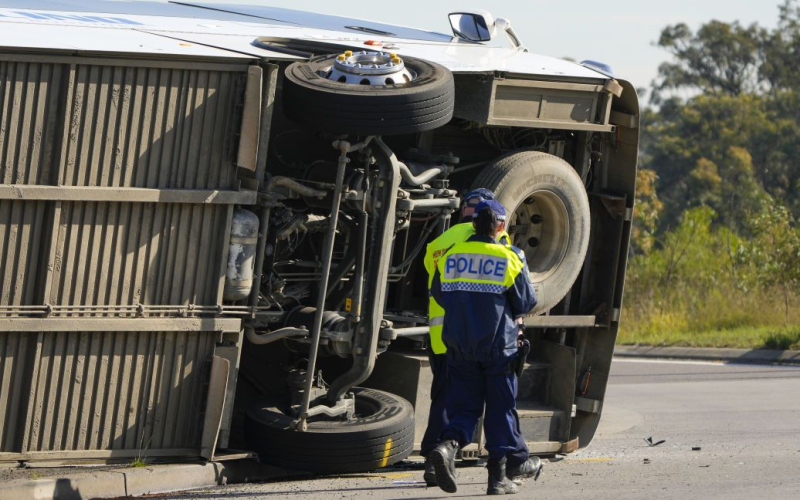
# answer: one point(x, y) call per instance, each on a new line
point(433, 252)
point(477, 266)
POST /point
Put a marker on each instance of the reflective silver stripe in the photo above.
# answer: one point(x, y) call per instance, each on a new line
point(437, 321)
point(466, 286)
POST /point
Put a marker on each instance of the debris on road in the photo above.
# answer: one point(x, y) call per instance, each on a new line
point(649, 441)
point(646, 461)
point(696, 448)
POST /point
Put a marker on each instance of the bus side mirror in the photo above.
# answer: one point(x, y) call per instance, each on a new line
point(475, 26)
point(481, 26)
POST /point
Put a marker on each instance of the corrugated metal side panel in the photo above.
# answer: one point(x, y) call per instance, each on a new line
point(13, 384)
point(21, 233)
point(149, 127)
point(96, 123)
point(132, 253)
point(113, 391)
point(29, 100)
point(29, 106)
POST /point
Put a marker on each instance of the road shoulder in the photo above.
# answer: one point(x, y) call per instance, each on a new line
point(759, 356)
point(137, 481)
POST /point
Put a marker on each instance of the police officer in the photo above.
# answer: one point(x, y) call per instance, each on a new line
point(484, 286)
point(437, 417)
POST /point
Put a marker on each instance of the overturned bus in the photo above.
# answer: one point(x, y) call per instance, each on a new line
point(213, 217)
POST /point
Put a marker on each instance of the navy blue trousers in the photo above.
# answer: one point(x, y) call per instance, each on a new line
point(437, 417)
point(470, 386)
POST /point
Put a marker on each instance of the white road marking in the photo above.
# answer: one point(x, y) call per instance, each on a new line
point(669, 361)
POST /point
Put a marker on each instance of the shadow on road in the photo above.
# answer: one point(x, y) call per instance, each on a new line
point(290, 492)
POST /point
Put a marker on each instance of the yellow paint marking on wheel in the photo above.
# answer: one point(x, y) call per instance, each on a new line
point(386, 450)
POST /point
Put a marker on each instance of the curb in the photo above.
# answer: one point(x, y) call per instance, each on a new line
point(757, 356)
point(147, 480)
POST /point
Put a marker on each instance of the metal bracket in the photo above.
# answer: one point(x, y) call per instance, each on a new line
point(570, 446)
point(587, 405)
point(428, 205)
point(338, 335)
point(346, 407)
point(613, 87)
point(251, 119)
point(614, 205)
point(628, 215)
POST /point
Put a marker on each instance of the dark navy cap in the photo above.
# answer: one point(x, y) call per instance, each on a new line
point(482, 194)
point(496, 207)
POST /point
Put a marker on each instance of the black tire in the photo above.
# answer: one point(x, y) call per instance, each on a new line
point(381, 434)
point(424, 103)
point(531, 183)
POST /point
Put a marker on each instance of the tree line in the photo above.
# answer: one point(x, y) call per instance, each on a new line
point(716, 243)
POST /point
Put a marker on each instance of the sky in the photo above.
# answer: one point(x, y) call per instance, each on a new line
point(619, 33)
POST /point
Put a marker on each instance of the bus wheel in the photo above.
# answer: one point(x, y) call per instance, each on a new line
point(381, 433)
point(368, 93)
point(548, 218)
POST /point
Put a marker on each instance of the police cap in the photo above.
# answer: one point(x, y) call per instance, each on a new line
point(497, 209)
point(480, 194)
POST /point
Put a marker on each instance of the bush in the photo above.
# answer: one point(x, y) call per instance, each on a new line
point(703, 285)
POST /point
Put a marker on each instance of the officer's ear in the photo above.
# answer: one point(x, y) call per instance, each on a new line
point(501, 226)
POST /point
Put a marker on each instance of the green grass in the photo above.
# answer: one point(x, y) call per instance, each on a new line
point(138, 462)
point(744, 337)
point(723, 316)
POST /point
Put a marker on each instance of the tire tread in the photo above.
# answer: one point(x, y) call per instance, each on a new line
point(324, 450)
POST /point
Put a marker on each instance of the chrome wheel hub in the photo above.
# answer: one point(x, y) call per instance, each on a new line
point(370, 68)
point(540, 227)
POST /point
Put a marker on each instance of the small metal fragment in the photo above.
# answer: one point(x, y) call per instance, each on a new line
point(649, 441)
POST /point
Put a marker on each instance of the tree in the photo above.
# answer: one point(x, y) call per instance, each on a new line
point(646, 212)
point(780, 50)
point(683, 254)
point(720, 59)
point(716, 243)
point(741, 194)
point(705, 184)
point(701, 152)
point(741, 119)
point(775, 251)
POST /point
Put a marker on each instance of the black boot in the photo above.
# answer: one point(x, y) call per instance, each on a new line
point(499, 484)
point(430, 473)
point(443, 458)
point(527, 469)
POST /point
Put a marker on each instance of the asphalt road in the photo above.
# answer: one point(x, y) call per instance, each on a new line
point(745, 420)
